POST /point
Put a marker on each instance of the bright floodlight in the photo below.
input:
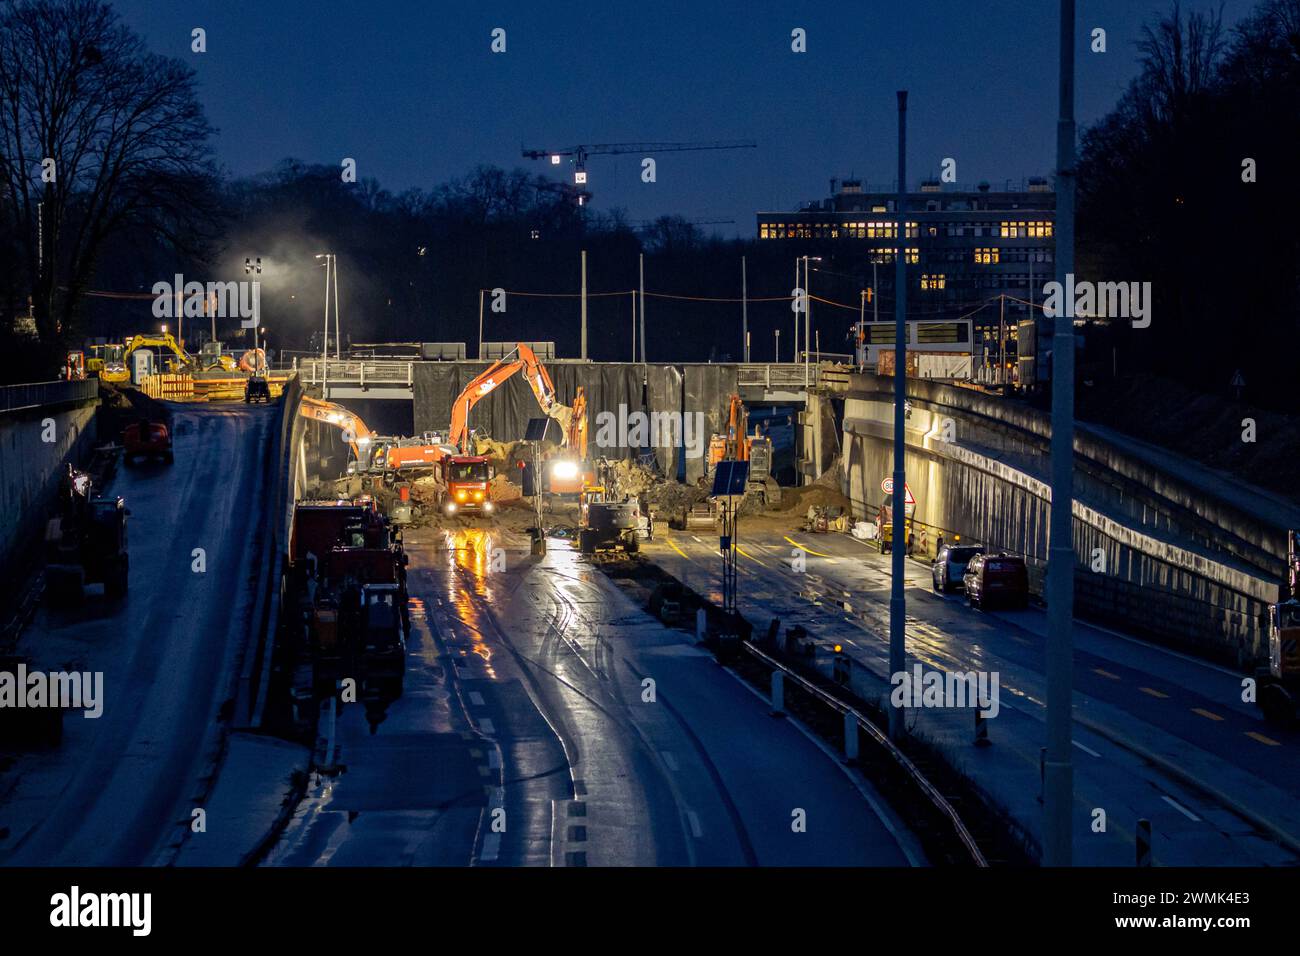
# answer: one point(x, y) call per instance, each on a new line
point(565, 469)
point(580, 177)
point(555, 160)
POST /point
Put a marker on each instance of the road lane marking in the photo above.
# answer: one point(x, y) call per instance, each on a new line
point(476, 698)
point(696, 830)
point(1180, 808)
point(1153, 692)
point(1262, 739)
point(696, 540)
point(1087, 750)
point(1206, 713)
point(669, 759)
point(673, 545)
point(1098, 670)
point(494, 760)
point(748, 555)
point(485, 725)
point(803, 547)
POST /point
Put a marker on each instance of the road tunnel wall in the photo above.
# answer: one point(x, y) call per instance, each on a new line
point(31, 466)
point(1171, 565)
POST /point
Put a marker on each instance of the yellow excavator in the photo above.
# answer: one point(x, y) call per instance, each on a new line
point(171, 357)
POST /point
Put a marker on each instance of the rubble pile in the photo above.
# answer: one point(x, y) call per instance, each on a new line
point(824, 492)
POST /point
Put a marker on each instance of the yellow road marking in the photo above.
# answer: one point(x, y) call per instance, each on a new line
point(803, 547)
point(673, 545)
point(1262, 739)
point(748, 555)
point(1153, 692)
point(1206, 713)
point(1098, 670)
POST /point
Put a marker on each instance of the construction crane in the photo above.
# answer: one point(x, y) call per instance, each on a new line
point(581, 152)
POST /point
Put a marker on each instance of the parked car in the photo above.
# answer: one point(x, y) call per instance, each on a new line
point(996, 578)
point(950, 565)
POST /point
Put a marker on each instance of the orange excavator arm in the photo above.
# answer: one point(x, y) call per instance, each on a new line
point(487, 381)
point(355, 432)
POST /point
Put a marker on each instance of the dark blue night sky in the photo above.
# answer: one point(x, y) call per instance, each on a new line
point(412, 91)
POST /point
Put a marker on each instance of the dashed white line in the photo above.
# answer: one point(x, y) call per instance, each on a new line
point(669, 759)
point(494, 759)
point(696, 830)
point(476, 698)
point(486, 726)
point(1181, 809)
point(1087, 750)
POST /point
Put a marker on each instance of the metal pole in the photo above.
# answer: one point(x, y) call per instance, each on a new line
point(633, 328)
point(776, 357)
point(641, 270)
point(325, 336)
point(480, 324)
point(794, 356)
point(875, 295)
point(807, 316)
point(1002, 339)
point(897, 602)
point(1059, 773)
point(584, 305)
point(338, 339)
point(744, 309)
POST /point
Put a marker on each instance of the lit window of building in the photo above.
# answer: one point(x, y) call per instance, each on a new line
point(933, 282)
point(1040, 230)
point(987, 256)
point(1013, 230)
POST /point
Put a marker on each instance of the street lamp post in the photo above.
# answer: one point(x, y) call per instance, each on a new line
point(898, 506)
point(807, 313)
point(1058, 772)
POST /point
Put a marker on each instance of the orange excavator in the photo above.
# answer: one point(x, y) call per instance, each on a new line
point(738, 445)
point(567, 471)
point(355, 432)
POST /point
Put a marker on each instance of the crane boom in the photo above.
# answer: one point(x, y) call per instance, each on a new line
point(612, 148)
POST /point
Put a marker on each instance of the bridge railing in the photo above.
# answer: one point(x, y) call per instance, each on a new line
point(357, 371)
point(777, 374)
point(35, 394)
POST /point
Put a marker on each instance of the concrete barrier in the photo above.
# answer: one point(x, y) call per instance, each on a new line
point(1158, 553)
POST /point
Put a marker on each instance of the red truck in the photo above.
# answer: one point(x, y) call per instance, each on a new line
point(147, 439)
point(345, 589)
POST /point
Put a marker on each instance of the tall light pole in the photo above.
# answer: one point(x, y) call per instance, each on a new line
point(744, 311)
point(584, 305)
point(807, 313)
point(325, 333)
point(898, 506)
point(1058, 772)
point(338, 339)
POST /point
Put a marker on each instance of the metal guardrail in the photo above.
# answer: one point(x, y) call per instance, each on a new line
point(357, 372)
point(937, 799)
point(35, 394)
point(781, 374)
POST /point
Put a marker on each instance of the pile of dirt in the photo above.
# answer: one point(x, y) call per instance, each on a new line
point(824, 492)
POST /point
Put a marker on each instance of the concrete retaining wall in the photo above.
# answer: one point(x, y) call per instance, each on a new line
point(1175, 564)
point(30, 468)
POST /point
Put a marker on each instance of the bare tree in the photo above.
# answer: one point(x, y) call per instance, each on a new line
point(96, 134)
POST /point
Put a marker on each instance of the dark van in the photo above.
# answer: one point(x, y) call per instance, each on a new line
point(996, 579)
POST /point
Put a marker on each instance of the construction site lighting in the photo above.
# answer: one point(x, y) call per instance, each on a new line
point(565, 469)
